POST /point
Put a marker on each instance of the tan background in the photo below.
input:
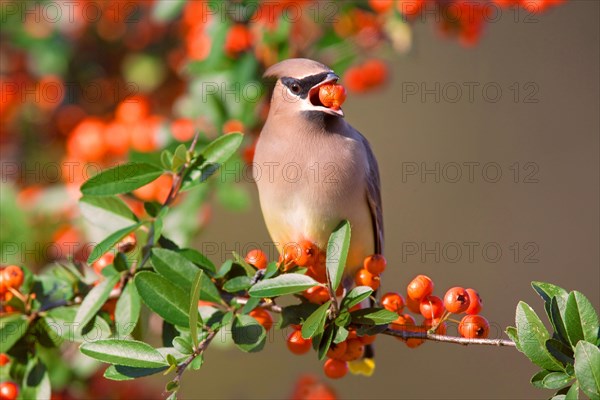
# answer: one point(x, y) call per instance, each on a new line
point(559, 214)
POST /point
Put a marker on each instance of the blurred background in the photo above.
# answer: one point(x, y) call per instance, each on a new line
point(486, 130)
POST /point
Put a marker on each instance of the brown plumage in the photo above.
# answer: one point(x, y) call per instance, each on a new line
point(313, 169)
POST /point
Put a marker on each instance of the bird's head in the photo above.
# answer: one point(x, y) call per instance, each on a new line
point(297, 89)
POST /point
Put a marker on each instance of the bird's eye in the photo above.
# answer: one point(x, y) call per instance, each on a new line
point(295, 88)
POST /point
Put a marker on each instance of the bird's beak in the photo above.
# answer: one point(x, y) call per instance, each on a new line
point(313, 96)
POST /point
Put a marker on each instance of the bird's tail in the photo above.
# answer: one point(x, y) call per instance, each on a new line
point(366, 365)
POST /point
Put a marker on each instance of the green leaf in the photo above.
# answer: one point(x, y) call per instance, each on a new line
point(556, 317)
point(61, 322)
point(36, 383)
point(110, 242)
point(536, 380)
point(562, 352)
point(93, 302)
point(237, 284)
point(341, 335)
point(296, 314)
point(532, 338)
point(587, 369)
point(248, 334)
point(121, 179)
point(181, 271)
point(199, 259)
point(556, 380)
point(356, 295)
point(573, 392)
point(326, 342)
point(130, 353)
point(373, 316)
point(193, 314)
point(581, 320)
point(183, 344)
point(180, 157)
point(123, 373)
point(211, 158)
point(547, 290)
point(511, 332)
point(271, 270)
point(12, 328)
point(250, 270)
point(315, 324)
point(337, 253)
point(281, 285)
point(106, 212)
point(127, 311)
point(164, 298)
point(250, 305)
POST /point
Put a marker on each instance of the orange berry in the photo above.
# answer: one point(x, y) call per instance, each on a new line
point(415, 342)
point(133, 109)
point(375, 264)
point(456, 300)
point(335, 369)
point(430, 323)
point(239, 38)
point(317, 295)
point(431, 307)
point(381, 6)
point(297, 344)
point(393, 302)
point(13, 277)
point(87, 140)
point(420, 287)
point(182, 129)
point(4, 359)
point(303, 253)
point(104, 261)
point(355, 80)
point(413, 305)
point(352, 334)
point(367, 339)
point(354, 350)
point(475, 302)
point(474, 327)
point(233, 125)
point(8, 391)
point(318, 273)
point(332, 96)
point(365, 278)
point(407, 323)
point(337, 351)
point(263, 317)
point(257, 258)
point(402, 322)
point(116, 136)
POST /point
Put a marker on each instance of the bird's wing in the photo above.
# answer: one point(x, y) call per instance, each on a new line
point(374, 196)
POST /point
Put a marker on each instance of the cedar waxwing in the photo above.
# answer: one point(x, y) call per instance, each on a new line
point(313, 169)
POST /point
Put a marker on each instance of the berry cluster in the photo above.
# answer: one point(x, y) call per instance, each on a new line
point(420, 300)
point(436, 311)
point(11, 279)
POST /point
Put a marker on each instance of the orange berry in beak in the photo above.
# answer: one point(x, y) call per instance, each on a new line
point(332, 96)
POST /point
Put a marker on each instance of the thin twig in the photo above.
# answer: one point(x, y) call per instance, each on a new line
point(447, 339)
point(411, 334)
point(197, 352)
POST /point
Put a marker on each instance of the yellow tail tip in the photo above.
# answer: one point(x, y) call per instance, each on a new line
point(365, 366)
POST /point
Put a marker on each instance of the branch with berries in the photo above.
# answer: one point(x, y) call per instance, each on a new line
point(196, 300)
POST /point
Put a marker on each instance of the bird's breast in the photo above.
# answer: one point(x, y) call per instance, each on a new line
point(307, 186)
